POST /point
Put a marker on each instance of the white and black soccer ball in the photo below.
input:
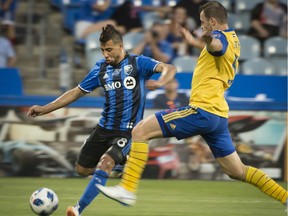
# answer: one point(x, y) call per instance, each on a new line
point(44, 201)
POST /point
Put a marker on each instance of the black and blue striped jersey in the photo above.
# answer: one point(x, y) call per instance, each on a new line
point(125, 92)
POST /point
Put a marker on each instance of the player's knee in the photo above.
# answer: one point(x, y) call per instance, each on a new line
point(83, 171)
point(106, 163)
point(234, 174)
point(138, 133)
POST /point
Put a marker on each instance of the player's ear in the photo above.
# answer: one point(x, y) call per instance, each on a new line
point(212, 21)
point(121, 45)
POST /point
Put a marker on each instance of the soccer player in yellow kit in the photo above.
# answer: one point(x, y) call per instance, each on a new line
point(206, 114)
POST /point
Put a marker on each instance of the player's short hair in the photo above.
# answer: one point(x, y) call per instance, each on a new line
point(109, 32)
point(216, 10)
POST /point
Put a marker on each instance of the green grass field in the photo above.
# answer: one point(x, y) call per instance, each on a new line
point(155, 198)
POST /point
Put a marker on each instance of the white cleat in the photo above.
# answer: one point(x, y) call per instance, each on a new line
point(118, 194)
point(72, 211)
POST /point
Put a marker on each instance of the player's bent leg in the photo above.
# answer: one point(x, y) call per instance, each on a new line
point(83, 171)
point(124, 193)
point(233, 167)
point(147, 129)
point(100, 177)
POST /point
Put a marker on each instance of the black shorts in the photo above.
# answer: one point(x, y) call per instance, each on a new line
point(115, 143)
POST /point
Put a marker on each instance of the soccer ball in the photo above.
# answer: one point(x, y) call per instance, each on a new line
point(44, 201)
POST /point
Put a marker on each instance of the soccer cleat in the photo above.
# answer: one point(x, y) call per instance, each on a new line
point(72, 211)
point(118, 194)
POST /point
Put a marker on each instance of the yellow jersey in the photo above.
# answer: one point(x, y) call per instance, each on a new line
point(214, 73)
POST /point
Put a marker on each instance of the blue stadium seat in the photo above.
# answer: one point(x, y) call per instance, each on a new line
point(250, 47)
point(245, 5)
point(92, 56)
point(92, 41)
point(281, 66)
point(56, 3)
point(171, 3)
point(71, 14)
point(226, 4)
point(131, 39)
point(258, 66)
point(148, 18)
point(10, 82)
point(185, 63)
point(151, 2)
point(275, 47)
point(92, 49)
point(156, 3)
point(240, 22)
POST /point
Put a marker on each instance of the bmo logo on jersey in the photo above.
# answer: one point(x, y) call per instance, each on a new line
point(112, 86)
point(129, 83)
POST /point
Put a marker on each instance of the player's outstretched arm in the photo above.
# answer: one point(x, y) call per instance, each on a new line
point(62, 101)
point(167, 71)
point(191, 40)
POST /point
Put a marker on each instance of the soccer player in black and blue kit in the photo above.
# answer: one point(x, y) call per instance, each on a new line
point(124, 78)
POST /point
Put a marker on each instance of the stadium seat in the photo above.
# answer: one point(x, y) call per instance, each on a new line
point(280, 65)
point(151, 2)
point(157, 3)
point(185, 63)
point(56, 3)
point(92, 56)
point(171, 3)
point(226, 4)
point(131, 39)
point(92, 41)
point(250, 47)
point(117, 2)
point(148, 18)
point(245, 5)
point(92, 49)
point(240, 22)
point(71, 14)
point(10, 82)
point(275, 47)
point(257, 66)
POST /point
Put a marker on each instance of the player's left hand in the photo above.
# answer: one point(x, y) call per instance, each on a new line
point(152, 84)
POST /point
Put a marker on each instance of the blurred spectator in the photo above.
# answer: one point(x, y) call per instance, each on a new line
point(7, 53)
point(155, 44)
point(7, 18)
point(268, 19)
point(171, 98)
point(179, 17)
point(192, 7)
point(126, 18)
point(92, 11)
point(162, 9)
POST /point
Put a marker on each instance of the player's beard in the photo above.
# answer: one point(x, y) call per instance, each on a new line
point(110, 61)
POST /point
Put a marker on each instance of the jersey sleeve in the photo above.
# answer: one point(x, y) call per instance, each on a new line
point(146, 66)
point(220, 36)
point(91, 81)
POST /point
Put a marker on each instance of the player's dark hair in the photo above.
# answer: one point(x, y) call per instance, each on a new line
point(109, 32)
point(216, 10)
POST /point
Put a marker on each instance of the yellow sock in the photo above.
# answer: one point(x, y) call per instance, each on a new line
point(135, 165)
point(267, 185)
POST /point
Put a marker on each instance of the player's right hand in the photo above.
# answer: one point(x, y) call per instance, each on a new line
point(35, 111)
